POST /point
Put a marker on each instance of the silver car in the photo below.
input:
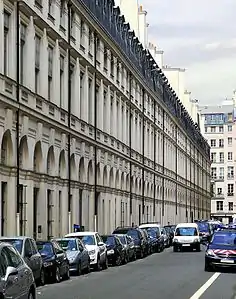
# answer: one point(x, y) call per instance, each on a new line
point(17, 280)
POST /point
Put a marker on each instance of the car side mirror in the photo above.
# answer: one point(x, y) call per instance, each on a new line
point(100, 243)
point(10, 272)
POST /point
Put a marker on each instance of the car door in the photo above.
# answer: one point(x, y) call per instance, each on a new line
point(28, 255)
point(60, 257)
point(16, 285)
point(102, 248)
point(36, 259)
point(82, 254)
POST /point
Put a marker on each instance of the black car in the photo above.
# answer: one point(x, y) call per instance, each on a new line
point(129, 246)
point(221, 250)
point(170, 229)
point(137, 235)
point(156, 239)
point(206, 231)
point(149, 243)
point(116, 253)
point(55, 261)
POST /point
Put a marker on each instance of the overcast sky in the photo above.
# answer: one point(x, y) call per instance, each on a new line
point(199, 35)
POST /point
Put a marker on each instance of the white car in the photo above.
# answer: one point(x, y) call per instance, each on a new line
point(96, 248)
point(186, 236)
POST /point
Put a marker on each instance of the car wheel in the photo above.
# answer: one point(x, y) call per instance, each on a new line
point(175, 249)
point(79, 270)
point(158, 249)
point(207, 268)
point(118, 261)
point(105, 264)
point(57, 275)
point(98, 265)
point(67, 274)
point(134, 256)
point(42, 277)
point(88, 269)
point(31, 295)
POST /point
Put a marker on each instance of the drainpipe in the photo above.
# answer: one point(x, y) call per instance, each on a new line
point(95, 135)
point(163, 162)
point(190, 173)
point(18, 193)
point(154, 149)
point(176, 172)
point(186, 178)
point(130, 149)
point(69, 118)
point(143, 154)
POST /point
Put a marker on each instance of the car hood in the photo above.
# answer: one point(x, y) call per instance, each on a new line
point(222, 247)
point(71, 254)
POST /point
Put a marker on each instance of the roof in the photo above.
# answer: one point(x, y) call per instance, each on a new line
point(15, 237)
point(80, 234)
point(216, 109)
point(149, 225)
point(187, 225)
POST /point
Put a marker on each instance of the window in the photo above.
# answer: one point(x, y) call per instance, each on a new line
point(213, 142)
point(27, 248)
point(50, 7)
point(22, 51)
point(221, 129)
point(105, 58)
point(38, 3)
point(62, 14)
point(81, 31)
point(221, 142)
point(230, 172)
point(219, 191)
point(231, 206)
point(112, 65)
point(62, 60)
point(213, 172)
point(221, 173)
point(230, 189)
point(37, 62)
point(219, 205)
point(213, 157)
point(230, 140)
point(213, 129)
point(6, 41)
point(221, 157)
point(230, 156)
point(230, 128)
point(50, 72)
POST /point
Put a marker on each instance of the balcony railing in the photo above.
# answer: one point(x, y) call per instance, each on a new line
point(230, 193)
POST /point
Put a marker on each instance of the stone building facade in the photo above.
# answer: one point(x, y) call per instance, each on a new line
point(90, 130)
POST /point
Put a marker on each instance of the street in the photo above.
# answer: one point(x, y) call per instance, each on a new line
point(166, 275)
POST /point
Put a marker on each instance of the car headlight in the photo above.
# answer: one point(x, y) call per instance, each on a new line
point(210, 252)
point(110, 251)
point(196, 240)
point(91, 252)
point(47, 264)
point(175, 240)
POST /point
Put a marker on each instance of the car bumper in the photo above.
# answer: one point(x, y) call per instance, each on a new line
point(220, 262)
point(187, 245)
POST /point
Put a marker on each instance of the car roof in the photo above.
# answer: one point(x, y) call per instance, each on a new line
point(78, 234)
point(187, 225)
point(147, 225)
point(14, 237)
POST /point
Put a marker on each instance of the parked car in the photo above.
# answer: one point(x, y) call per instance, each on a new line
point(137, 235)
point(77, 254)
point(170, 229)
point(55, 261)
point(166, 237)
point(159, 234)
point(206, 230)
point(129, 246)
point(28, 250)
point(116, 253)
point(17, 279)
point(96, 248)
point(148, 242)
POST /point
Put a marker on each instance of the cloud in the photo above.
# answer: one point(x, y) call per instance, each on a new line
point(199, 36)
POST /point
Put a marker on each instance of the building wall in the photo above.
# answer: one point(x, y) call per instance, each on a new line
point(102, 147)
point(223, 205)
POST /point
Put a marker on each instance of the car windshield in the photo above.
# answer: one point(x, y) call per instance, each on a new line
point(151, 232)
point(87, 240)
point(109, 240)
point(122, 239)
point(133, 233)
point(69, 245)
point(226, 238)
point(186, 231)
point(203, 227)
point(45, 248)
point(18, 244)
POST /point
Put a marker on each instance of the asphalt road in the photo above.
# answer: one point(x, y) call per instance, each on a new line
point(165, 275)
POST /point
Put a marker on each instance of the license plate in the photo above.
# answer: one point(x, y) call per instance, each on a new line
point(226, 261)
point(186, 245)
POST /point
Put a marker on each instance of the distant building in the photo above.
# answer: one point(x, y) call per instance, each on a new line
point(219, 128)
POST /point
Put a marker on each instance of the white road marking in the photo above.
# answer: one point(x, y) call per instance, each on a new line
point(206, 285)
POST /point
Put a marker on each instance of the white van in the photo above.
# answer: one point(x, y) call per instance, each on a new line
point(186, 236)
